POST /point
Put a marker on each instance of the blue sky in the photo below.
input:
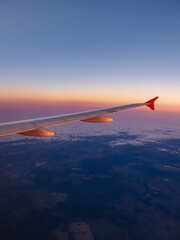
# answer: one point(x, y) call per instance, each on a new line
point(90, 47)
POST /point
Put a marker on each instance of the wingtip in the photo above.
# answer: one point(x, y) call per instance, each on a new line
point(150, 103)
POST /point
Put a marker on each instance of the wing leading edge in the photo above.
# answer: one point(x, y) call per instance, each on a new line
point(37, 127)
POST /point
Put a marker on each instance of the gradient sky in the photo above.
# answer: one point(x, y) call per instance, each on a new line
point(108, 52)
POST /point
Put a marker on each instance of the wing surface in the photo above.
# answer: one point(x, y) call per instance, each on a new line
point(37, 127)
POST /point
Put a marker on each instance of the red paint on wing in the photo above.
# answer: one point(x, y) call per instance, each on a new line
point(150, 103)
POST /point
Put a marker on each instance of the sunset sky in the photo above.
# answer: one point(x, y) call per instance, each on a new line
point(89, 52)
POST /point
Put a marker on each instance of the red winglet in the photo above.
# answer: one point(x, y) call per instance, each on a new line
point(150, 103)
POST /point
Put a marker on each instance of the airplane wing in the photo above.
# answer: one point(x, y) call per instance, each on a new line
point(37, 127)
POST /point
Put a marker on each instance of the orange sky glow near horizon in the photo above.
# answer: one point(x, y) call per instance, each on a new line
point(17, 107)
point(78, 99)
